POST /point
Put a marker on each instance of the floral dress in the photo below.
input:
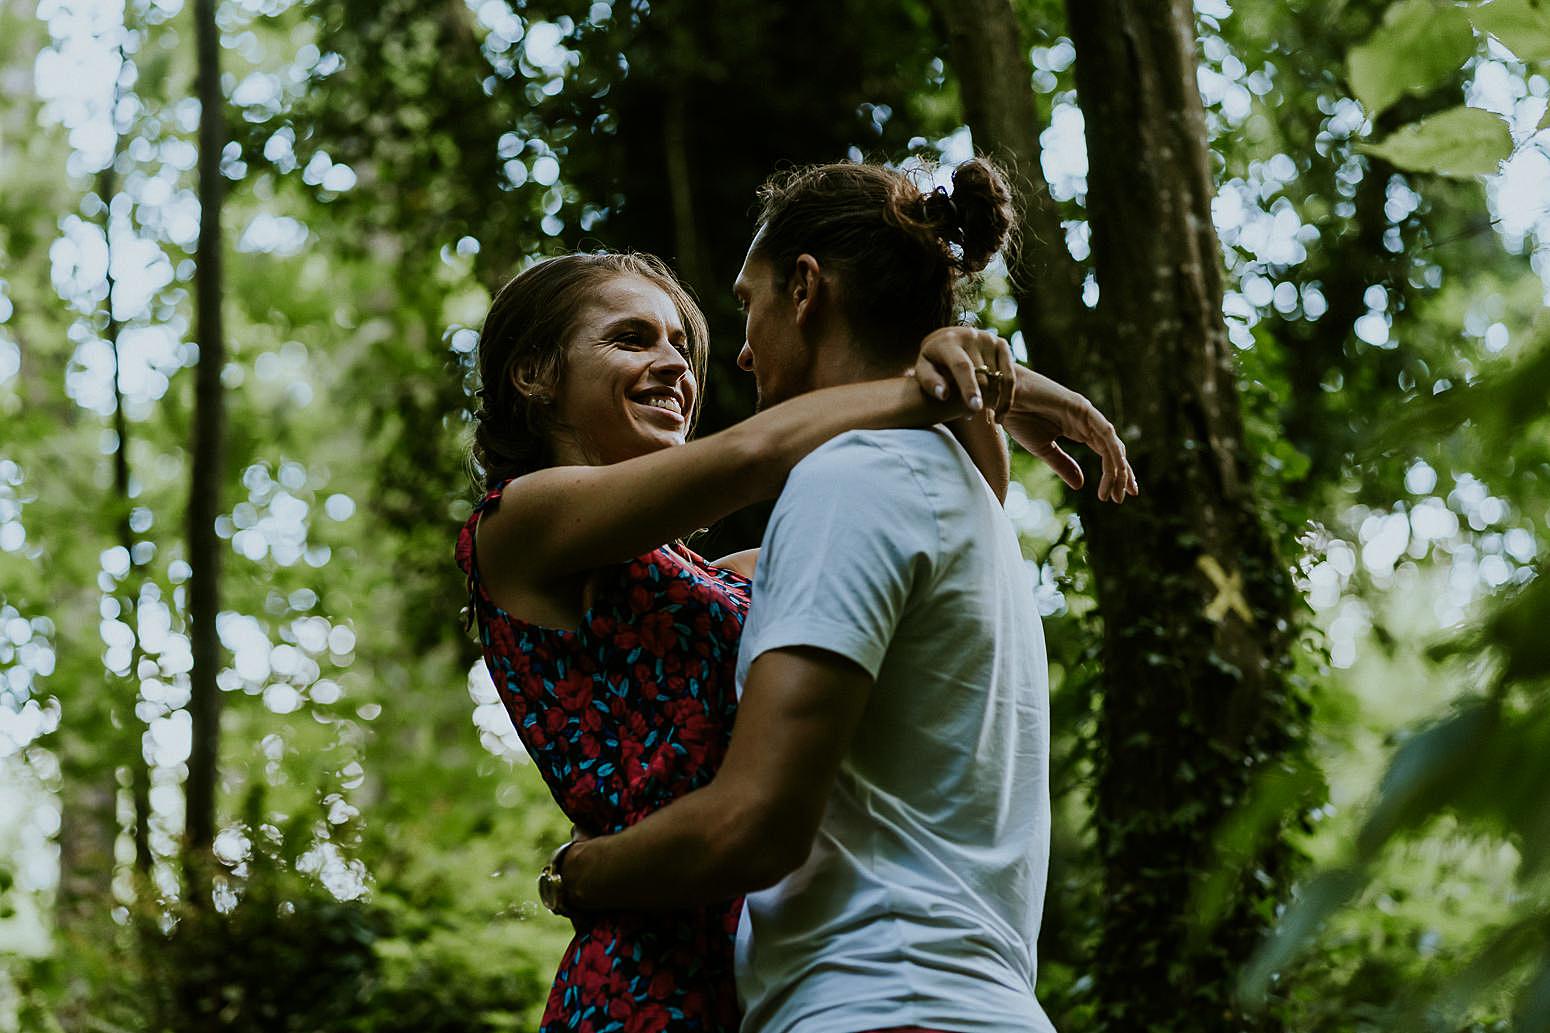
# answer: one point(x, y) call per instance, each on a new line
point(622, 716)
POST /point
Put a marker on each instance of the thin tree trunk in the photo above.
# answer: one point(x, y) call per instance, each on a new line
point(88, 829)
point(680, 184)
point(1195, 603)
point(1001, 111)
point(208, 470)
point(129, 602)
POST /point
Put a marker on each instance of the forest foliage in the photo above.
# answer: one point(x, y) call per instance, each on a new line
point(1382, 206)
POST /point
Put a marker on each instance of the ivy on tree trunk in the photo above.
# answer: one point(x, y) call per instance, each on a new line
point(1197, 700)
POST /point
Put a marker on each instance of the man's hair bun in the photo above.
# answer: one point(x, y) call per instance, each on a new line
point(905, 260)
point(981, 205)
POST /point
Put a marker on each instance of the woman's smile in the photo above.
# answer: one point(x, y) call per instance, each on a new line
point(663, 402)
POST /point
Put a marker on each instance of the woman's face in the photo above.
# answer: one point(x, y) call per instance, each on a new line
point(628, 388)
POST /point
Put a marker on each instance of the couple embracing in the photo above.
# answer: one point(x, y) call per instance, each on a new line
point(810, 781)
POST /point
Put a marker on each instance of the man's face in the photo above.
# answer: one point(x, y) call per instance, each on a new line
point(774, 351)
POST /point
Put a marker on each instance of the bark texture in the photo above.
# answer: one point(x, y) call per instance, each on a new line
point(1195, 603)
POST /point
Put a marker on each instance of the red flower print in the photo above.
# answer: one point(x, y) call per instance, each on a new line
point(630, 753)
point(648, 1018)
point(593, 967)
point(574, 690)
point(657, 634)
point(581, 792)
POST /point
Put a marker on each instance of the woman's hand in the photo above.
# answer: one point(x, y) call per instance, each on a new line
point(1044, 411)
point(950, 359)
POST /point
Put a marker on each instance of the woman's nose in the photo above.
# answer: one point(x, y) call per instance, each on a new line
point(669, 361)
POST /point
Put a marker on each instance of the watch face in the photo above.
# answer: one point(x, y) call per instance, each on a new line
point(546, 890)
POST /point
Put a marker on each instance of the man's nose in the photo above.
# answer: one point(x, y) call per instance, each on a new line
point(745, 359)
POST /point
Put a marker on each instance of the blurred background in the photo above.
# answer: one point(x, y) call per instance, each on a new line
point(255, 777)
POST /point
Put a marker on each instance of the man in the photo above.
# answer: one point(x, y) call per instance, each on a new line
point(886, 791)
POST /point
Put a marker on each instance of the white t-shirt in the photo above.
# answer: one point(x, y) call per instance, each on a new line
point(921, 900)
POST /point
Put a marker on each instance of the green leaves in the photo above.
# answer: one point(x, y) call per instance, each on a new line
point(1522, 26)
point(1460, 143)
point(1425, 775)
point(1422, 42)
point(1419, 44)
point(1325, 894)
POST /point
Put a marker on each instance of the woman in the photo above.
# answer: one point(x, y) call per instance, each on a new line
point(613, 651)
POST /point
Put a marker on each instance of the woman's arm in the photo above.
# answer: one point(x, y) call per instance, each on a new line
point(1044, 411)
point(956, 358)
point(1034, 409)
point(744, 562)
point(558, 521)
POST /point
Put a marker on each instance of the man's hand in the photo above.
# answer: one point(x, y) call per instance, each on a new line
point(756, 820)
point(1044, 411)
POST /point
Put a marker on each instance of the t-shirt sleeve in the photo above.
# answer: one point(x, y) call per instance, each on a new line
point(851, 538)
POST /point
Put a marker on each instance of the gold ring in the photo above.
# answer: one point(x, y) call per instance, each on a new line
point(988, 373)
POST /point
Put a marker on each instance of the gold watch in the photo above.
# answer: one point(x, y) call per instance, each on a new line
point(551, 885)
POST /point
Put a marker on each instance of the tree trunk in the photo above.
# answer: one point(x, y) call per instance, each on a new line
point(208, 470)
point(88, 829)
point(129, 600)
point(1195, 602)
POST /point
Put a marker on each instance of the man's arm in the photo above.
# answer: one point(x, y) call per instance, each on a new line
point(756, 821)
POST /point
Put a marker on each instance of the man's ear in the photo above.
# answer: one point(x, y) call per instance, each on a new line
point(806, 288)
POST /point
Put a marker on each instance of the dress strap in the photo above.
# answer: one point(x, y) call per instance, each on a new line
point(470, 613)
